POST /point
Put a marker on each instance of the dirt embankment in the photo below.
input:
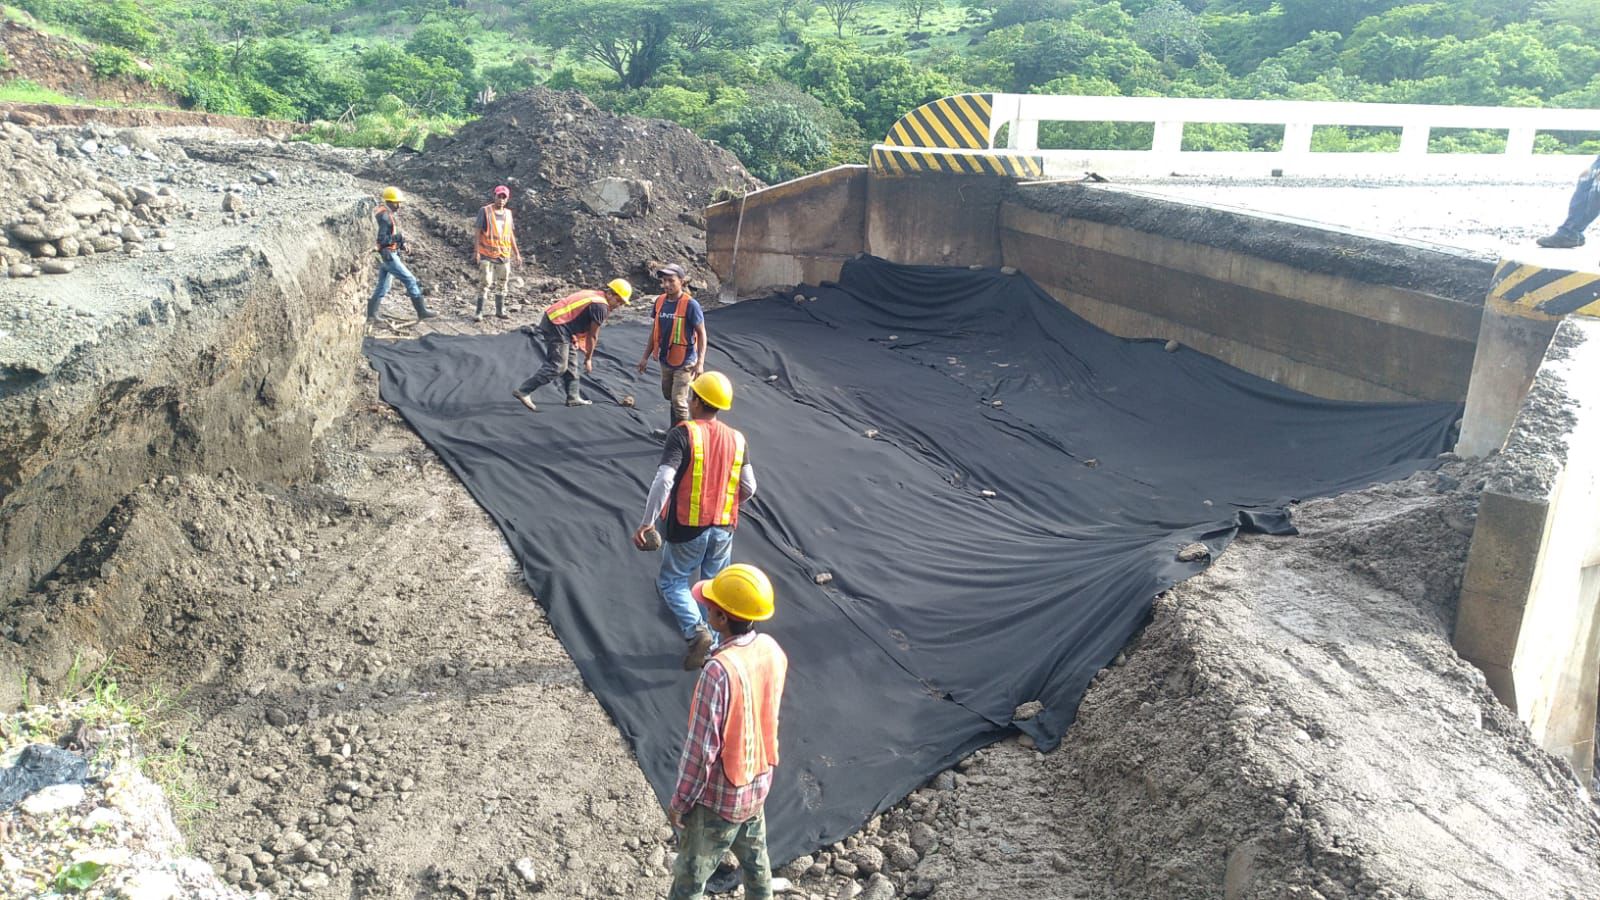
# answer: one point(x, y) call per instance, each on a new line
point(64, 66)
point(596, 195)
point(229, 343)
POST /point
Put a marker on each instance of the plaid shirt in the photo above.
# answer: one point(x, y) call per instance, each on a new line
point(700, 777)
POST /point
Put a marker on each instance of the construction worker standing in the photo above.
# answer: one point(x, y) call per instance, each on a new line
point(496, 245)
point(392, 243)
point(703, 476)
point(678, 336)
point(731, 749)
point(571, 323)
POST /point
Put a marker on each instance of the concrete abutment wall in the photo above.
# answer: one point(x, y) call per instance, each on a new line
point(1325, 311)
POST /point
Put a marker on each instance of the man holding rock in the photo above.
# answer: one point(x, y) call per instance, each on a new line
point(726, 767)
point(391, 243)
point(703, 476)
point(571, 323)
point(678, 336)
point(496, 245)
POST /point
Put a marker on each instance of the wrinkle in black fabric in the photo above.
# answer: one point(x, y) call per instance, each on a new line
point(1027, 482)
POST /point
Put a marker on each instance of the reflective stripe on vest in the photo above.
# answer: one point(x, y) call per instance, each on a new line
point(711, 496)
point(494, 241)
point(678, 338)
point(394, 227)
point(756, 673)
point(568, 308)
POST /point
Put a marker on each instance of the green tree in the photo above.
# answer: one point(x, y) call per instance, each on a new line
point(1169, 29)
point(841, 12)
point(636, 38)
point(777, 136)
point(915, 10)
point(426, 84)
point(789, 12)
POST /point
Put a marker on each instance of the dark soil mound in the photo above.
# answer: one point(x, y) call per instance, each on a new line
point(550, 146)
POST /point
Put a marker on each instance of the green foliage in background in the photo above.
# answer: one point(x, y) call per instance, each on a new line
point(792, 85)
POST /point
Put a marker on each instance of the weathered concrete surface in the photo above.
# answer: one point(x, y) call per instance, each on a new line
point(230, 352)
point(942, 220)
point(1511, 348)
point(797, 232)
point(1324, 311)
point(1527, 612)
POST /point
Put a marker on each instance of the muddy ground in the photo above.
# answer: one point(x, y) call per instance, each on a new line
point(371, 704)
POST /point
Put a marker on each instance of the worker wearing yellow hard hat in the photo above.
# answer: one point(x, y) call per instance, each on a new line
point(567, 326)
point(703, 476)
point(731, 749)
point(391, 244)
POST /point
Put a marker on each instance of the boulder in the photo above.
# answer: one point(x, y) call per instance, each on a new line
point(613, 196)
point(57, 266)
point(67, 247)
point(52, 227)
point(86, 203)
point(144, 195)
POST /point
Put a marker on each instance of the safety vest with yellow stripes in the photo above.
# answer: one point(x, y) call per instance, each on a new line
point(678, 339)
point(756, 672)
point(708, 486)
point(495, 240)
point(570, 307)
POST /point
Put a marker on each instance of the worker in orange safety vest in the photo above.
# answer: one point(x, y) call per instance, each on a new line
point(569, 325)
point(725, 770)
point(704, 474)
point(677, 337)
point(495, 247)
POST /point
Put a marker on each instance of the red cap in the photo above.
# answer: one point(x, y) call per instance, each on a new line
point(698, 592)
point(502, 189)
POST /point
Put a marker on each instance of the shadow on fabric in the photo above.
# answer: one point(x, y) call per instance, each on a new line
point(1027, 482)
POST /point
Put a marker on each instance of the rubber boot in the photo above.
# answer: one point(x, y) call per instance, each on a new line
point(1561, 238)
point(421, 306)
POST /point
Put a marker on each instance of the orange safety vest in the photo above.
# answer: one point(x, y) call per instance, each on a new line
point(678, 340)
point(708, 491)
point(570, 307)
point(496, 241)
point(394, 227)
point(756, 672)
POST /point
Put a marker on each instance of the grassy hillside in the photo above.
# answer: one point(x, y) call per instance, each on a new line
point(776, 82)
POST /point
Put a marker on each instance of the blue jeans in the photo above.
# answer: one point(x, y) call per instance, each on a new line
point(1585, 205)
point(688, 562)
point(389, 268)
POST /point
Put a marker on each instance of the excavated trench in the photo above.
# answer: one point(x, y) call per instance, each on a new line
point(202, 493)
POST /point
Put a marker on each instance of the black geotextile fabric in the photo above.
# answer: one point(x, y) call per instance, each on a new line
point(983, 554)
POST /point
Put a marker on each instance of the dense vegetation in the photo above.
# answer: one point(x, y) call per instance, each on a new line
point(793, 85)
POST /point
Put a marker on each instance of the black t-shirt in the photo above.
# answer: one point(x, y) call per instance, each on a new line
point(676, 455)
point(592, 316)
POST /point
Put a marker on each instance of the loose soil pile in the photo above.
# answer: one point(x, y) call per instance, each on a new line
point(549, 147)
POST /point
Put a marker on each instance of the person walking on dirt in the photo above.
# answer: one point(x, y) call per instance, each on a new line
point(569, 324)
point(678, 337)
point(1582, 210)
point(703, 476)
point(725, 770)
point(496, 245)
point(392, 243)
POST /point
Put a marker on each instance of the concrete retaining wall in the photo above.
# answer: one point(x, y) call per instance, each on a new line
point(797, 232)
point(1324, 311)
point(1527, 614)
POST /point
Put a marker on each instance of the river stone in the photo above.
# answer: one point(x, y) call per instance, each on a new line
point(52, 227)
point(86, 203)
point(57, 266)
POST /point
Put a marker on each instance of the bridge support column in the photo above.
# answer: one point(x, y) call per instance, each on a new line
point(1529, 612)
point(1511, 347)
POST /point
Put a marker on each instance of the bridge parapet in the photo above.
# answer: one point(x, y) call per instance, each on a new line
point(998, 134)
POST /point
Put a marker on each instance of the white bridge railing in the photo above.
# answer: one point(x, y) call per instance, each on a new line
point(1020, 115)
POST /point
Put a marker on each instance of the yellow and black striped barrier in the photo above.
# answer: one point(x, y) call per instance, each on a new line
point(1540, 292)
point(950, 136)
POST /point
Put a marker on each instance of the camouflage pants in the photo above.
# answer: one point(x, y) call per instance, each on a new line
point(705, 837)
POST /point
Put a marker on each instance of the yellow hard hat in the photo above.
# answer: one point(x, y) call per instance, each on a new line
point(741, 590)
point(391, 194)
point(714, 388)
point(621, 288)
